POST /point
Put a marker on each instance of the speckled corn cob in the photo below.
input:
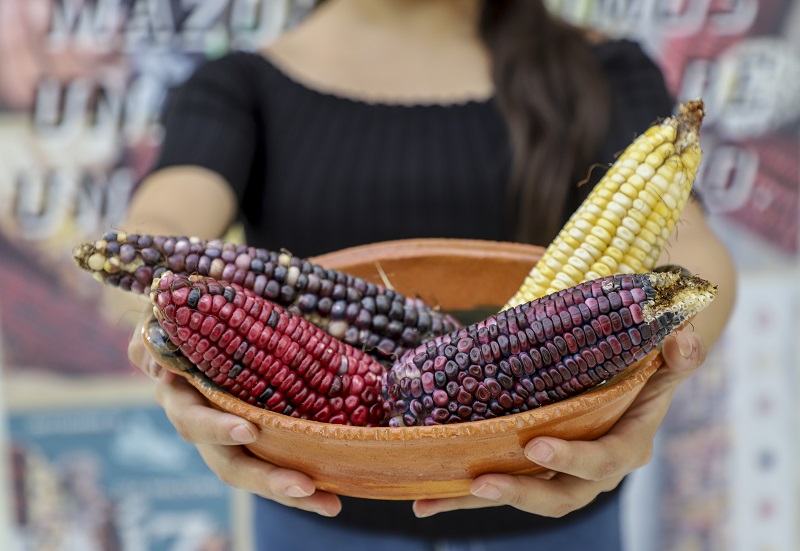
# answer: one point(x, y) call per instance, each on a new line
point(624, 224)
point(349, 308)
point(541, 352)
point(265, 355)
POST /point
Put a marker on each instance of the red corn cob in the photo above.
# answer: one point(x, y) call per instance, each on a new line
point(263, 354)
point(542, 351)
point(351, 309)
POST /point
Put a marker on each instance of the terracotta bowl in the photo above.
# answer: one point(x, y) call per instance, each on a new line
point(472, 279)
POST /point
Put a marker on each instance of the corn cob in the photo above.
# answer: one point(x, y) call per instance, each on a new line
point(543, 351)
point(624, 223)
point(351, 309)
point(265, 355)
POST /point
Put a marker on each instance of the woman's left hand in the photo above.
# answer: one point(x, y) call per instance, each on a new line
point(580, 470)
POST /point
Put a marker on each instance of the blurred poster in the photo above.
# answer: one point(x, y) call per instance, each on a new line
point(743, 58)
point(82, 87)
point(5, 486)
point(111, 479)
point(83, 84)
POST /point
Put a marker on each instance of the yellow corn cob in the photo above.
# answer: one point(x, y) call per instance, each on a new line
point(625, 222)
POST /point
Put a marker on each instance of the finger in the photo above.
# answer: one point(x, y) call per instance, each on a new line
point(555, 498)
point(683, 353)
point(428, 507)
point(551, 498)
point(239, 469)
point(199, 423)
point(612, 456)
point(140, 358)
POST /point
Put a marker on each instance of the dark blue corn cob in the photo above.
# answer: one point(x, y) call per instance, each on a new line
point(349, 308)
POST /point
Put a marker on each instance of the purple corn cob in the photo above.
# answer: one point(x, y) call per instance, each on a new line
point(543, 351)
point(349, 308)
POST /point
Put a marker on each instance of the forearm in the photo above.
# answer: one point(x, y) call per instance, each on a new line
point(182, 200)
point(186, 201)
point(695, 246)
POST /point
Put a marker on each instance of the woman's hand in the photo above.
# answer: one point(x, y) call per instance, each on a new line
point(219, 437)
point(579, 471)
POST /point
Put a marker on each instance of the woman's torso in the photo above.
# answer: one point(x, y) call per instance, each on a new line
point(315, 172)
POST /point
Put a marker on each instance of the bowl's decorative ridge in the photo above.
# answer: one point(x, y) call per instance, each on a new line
point(614, 387)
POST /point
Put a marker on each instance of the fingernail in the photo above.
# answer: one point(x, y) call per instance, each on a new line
point(423, 514)
point(296, 491)
point(685, 347)
point(539, 452)
point(324, 512)
point(488, 491)
point(154, 370)
point(242, 434)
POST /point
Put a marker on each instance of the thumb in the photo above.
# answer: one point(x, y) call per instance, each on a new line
point(683, 352)
point(140, 357)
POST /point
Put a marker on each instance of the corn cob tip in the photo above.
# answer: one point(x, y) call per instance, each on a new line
point(170, 278)
point(683, 297)
point(689, 119)
point(116, 259)
point(84, 256)
point(691, 113)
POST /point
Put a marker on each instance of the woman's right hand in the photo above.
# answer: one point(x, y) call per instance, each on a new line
point(220, 439)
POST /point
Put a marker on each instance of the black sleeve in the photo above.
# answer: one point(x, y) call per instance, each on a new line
point(210, 121)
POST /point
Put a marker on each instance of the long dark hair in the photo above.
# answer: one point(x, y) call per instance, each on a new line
point(555, 100)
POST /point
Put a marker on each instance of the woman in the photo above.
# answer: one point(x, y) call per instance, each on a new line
point(388, 119)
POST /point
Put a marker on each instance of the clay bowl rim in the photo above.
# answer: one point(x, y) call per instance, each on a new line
point(409, 248)
point(632, 378)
